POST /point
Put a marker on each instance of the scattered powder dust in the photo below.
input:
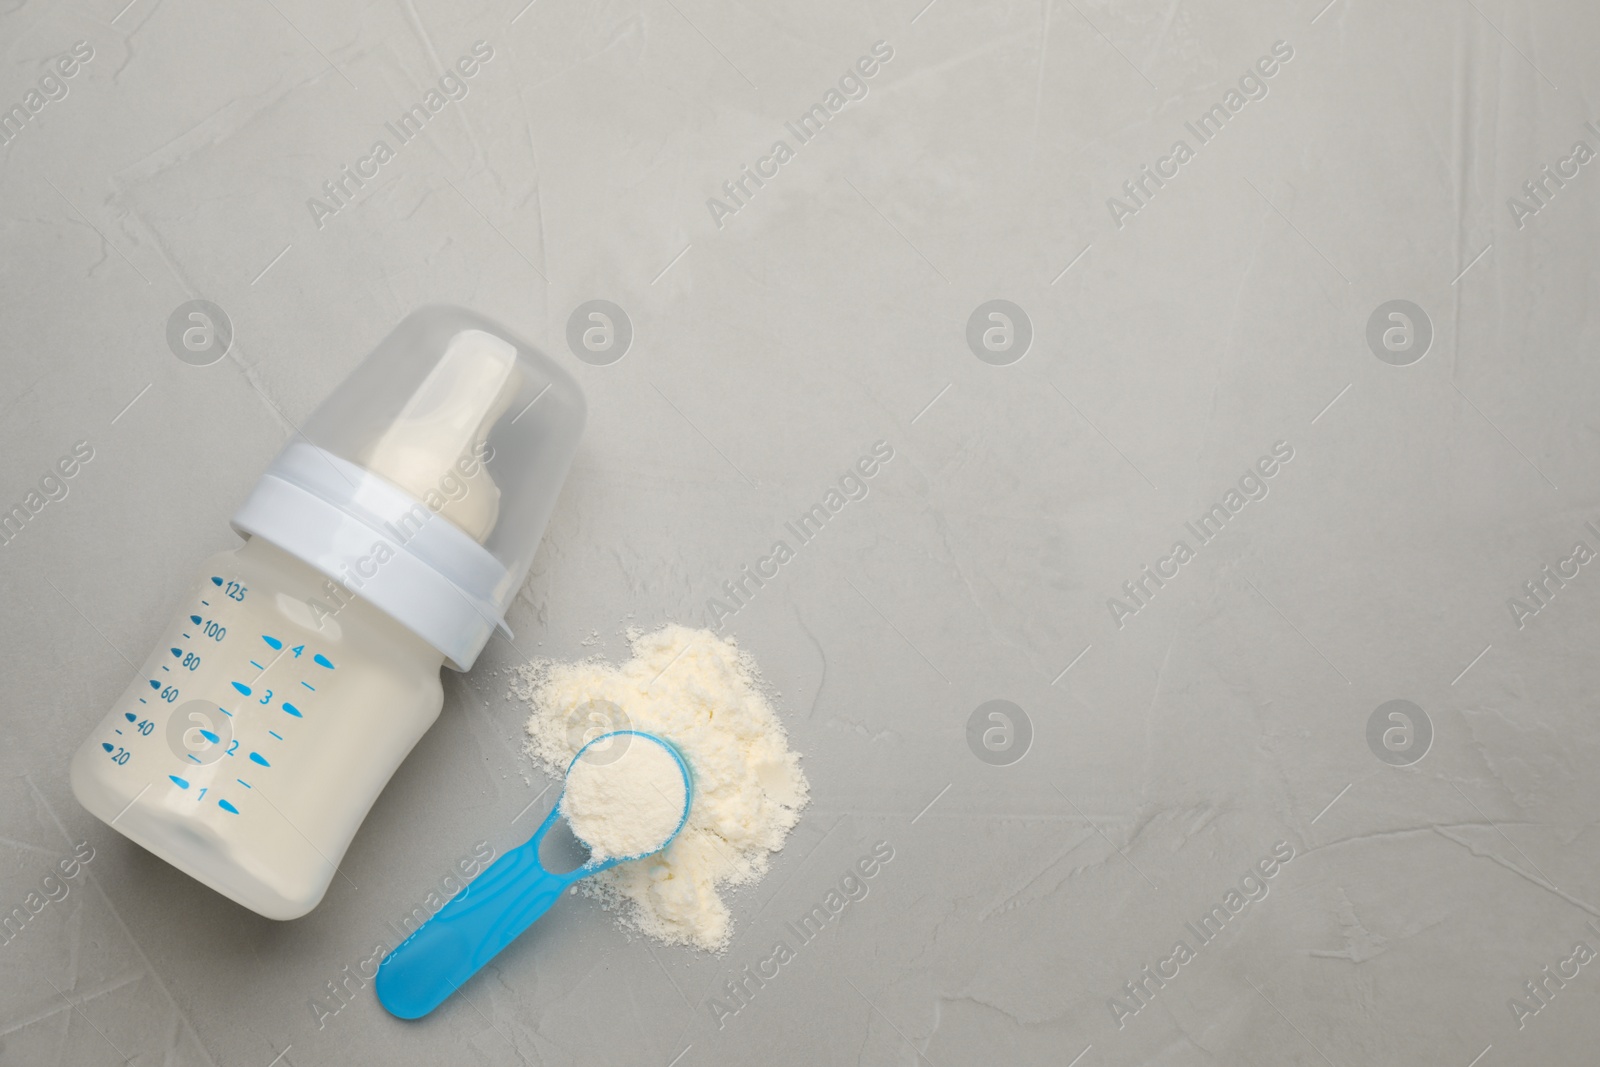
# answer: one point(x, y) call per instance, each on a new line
point(700, 692)
point(623, 797)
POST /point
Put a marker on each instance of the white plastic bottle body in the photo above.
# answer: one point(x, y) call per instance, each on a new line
point(261, 730)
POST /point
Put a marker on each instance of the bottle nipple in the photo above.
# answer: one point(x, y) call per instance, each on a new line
point(443, 431)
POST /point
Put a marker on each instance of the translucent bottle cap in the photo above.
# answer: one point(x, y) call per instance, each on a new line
point(424, 482)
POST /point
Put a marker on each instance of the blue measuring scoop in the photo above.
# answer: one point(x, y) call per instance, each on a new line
point(494, 909)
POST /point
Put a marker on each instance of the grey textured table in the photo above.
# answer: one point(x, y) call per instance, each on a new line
point(1173, 317)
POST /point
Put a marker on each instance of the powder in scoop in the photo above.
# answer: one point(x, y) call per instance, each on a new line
point(700, 692)
point(623, 797)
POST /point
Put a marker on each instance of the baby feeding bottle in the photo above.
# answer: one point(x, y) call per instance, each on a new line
point(385, 541)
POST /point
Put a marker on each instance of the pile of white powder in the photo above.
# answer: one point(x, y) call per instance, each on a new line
point(623, 797)
point(698, 691)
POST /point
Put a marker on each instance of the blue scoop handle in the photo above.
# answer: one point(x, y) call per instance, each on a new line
point(469, 931)
point(492, 911)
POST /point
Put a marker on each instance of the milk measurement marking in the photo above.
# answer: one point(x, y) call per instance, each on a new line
point(190, 659)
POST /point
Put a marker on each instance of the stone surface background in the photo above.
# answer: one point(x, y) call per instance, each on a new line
point(1171, 347)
